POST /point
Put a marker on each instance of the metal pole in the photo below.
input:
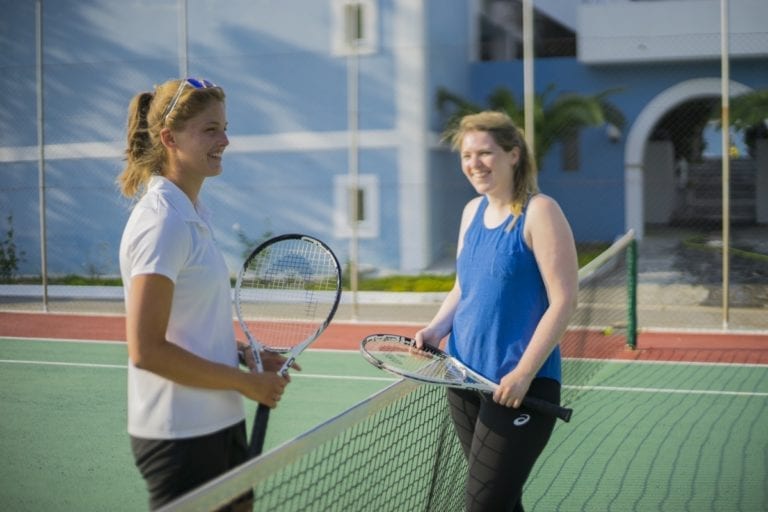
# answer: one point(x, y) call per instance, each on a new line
point(183, 40)
point(352, 157)
point(726, 175)
point(41, 148)
point(632, 294)
point(528, 83)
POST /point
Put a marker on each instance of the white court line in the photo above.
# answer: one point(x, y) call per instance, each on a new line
point(124, 344)
point(60, 363)
point(662, 362)
point(669, 391)
point(62, 340)
point(356, 352)
point(125, 367)
point(392, 379)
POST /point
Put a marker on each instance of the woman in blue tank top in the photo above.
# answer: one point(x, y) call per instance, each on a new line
point(515, 290)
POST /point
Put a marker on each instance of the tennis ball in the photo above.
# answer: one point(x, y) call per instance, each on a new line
point(608, 331)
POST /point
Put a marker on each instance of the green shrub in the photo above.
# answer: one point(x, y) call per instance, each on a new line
point(9, 256)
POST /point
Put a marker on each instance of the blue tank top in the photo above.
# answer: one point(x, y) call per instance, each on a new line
point(502, 300)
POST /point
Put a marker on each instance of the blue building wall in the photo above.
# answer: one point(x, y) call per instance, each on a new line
point(287, 109)
point(449, 62)
point(279, 75)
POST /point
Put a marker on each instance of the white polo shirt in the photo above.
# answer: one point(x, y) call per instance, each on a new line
point(166, 234)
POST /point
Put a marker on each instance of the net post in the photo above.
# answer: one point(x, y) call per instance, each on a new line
point(632, 294)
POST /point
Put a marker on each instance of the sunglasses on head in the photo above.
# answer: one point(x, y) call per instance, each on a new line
point(195, 83)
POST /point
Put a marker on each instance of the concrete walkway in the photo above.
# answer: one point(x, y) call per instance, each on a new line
point(680, 283)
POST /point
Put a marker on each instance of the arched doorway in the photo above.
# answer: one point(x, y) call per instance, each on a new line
point(640, 135)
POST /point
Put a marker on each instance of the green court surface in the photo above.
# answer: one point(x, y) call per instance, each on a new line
point(645, 436)
point(660, 437)
point(63, 406)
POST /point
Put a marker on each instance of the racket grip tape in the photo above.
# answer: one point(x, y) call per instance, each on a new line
point(259, 431)
point(548, 408)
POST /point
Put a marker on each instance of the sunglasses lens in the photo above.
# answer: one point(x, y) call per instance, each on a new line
point(200, 84)
point(192, 82)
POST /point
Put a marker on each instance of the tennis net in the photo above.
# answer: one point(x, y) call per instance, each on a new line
point(605, 322)
point(402, 437)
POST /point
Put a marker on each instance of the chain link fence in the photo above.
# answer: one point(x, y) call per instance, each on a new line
point(674, 168)
point(656, 129)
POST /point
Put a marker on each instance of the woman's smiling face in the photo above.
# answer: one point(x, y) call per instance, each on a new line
point(487, 166)
point(202, 141)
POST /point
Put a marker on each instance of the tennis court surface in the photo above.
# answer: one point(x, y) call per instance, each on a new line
point(645, 436)
point(677, 423)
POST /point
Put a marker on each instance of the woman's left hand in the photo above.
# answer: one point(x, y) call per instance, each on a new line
point(512, 389)
point(271, 361)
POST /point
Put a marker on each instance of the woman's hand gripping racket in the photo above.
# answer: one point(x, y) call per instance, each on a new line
point(286, 295)
point(399, 355)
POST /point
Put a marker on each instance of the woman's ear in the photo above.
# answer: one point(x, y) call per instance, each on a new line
point(167, 138)
point(514, 153)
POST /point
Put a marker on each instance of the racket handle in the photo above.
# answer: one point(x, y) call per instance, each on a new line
point(548, 408)
point(259, 431)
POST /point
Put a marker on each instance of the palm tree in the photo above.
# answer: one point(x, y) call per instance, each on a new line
point(554, 120)
point(749, 109)
point(749, 114)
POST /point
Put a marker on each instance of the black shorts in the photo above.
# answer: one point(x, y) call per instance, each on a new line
point(173, 467)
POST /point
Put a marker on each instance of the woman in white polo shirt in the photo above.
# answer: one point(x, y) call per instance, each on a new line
point(185, 409)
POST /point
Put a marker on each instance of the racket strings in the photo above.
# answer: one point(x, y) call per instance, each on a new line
point(287, 292)
point(408, 360)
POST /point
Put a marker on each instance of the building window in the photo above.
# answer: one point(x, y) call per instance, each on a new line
point(367, 215)
point(500, 32)
point(353, 23)
point(355, 27)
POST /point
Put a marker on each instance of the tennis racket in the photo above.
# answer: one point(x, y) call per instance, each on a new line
point(286, 295)
point(399, 355)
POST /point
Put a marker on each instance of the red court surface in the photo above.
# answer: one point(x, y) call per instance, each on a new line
point(704, 347)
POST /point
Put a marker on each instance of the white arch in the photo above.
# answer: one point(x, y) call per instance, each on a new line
point(640, 132)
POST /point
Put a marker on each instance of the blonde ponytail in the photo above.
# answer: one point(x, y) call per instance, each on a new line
point(143, 154)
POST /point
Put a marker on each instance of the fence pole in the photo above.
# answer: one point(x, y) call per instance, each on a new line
point(528, 82)
point(353, 188)
point(183, 41)
point(726, 161)
point(41, 149)
point(632, 294)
